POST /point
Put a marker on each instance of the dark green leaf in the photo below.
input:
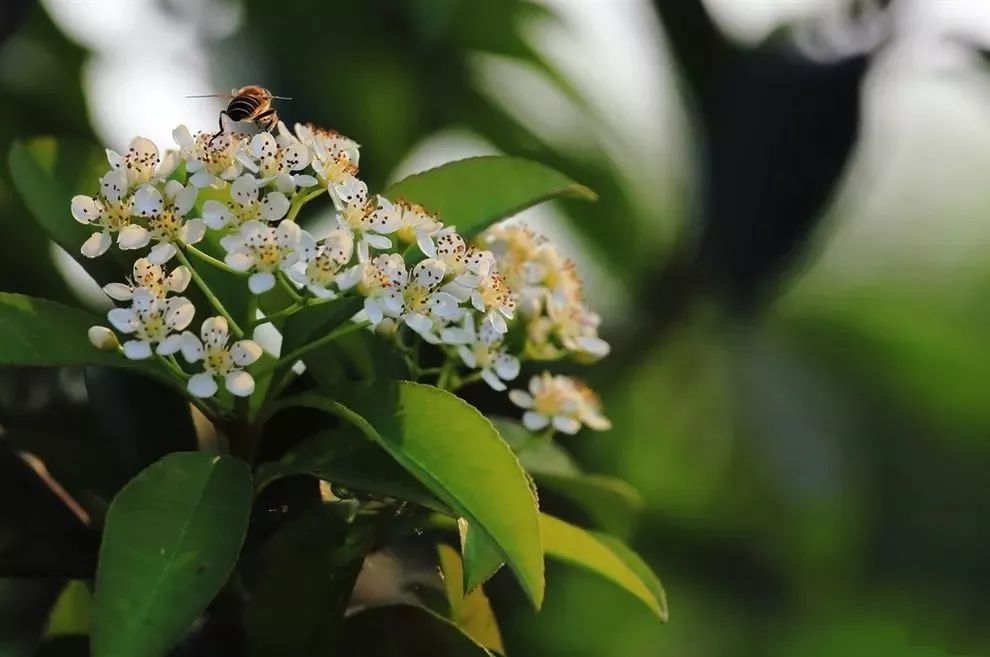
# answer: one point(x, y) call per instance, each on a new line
point(406, 631)
point(473, 194)
point(172, 537)
point(456, 453)
point(583, 549)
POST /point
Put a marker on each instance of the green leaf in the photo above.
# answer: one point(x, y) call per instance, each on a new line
point(599, 555)
point(537, 454)
point(48, 173)
point(472, 611)
point(172, 537)
point(72, 611)
point(473, 194)
point(609, 503)
point(455, 452)
point(346, 458)
point(314, 321)
point(403, 630)
point(40, 332)
point(482, 558)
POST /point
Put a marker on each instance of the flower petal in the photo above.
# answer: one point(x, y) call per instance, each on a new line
point(535, 421)
point(566, 424)
point(162, 253)
point(506, 366)
point(202, 385)
point(214, 331)
point(260, 282)
point(239, 260)
point(521, 398)
point(216, 214)
point(192, 348)
point(85, 209)
point(96, 245)
point(170, 345)
point(133, 237)
point(492, 380)
point(179, 279)
point(245, 352)
point(137, 349)
point(244, 189)
point(113, 185)
point(185, 200)
point(119, 291)
point(179, 312)
point(274, 206)
point(124, 320)
point(148, 202)
point(239, 383)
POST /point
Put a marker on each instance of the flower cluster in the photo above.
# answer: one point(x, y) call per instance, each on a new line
point(231, 202)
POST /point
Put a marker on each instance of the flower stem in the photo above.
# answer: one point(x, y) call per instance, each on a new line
point(295, 355)
point(212, 298)
point(289, 288)
point(206, 257)
point(300, 200)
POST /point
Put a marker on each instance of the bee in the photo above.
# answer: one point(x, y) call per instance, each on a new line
point(250, 103)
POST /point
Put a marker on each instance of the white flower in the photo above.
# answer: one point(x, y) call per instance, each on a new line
point(334, 156)
point(111, 212)
point(577, 328)
point(245, 205)
point(374, 280)
point(103, 338)
point(281, 163)
point(323, 260)
point(219, 360)
point(419, 226)
point(151, 277)
point(490, 296)
point(262, 250)
point(415, 298)
point(482, 349)
point(153, 320)
point(468, 267)
point(209, 160)
point(142, 163)
point(166, 221)
point(561, 402)
point(369, 220)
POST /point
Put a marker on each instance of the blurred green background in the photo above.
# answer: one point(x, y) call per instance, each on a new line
point(789, 253)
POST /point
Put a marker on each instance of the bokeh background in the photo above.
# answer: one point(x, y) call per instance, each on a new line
point(789, 252)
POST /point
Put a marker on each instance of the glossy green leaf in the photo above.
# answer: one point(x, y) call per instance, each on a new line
point(40, 332)
point(608, 503)
point(404, 631)
point(471, 611)
point(346, 458)
point(473, 194)
point(455, 452)
point(599, 555)
point(48, 173)
point(172, 537)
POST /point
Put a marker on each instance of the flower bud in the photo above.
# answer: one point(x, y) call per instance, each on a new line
point(103, 338)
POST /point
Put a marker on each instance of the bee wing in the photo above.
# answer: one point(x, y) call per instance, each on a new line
point(211, 96)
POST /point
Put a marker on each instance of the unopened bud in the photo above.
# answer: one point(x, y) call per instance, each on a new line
point(103, 338)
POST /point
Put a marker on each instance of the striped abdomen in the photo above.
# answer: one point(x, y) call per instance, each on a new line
point(243, 107)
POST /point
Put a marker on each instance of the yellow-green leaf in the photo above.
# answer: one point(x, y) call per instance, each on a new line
point(472, 611)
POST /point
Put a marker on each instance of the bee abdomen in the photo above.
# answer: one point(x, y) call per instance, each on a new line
point(242, 107)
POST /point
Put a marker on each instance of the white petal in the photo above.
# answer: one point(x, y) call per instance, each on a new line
point(137, 349)
point(96, 245)
point(426, 245)
point(285, 184)
point(429, 272)
point(498, 322)
point(261, 282)
point(492, 380)
point(113, 185)
point(148, 202)
point(444, 305)
point(593, 346)
point(214, 331)
point(304, 180)
point(288, 234)
point(566, 424)
point(162, 253)
point(183, 137)
point(521, 398)
point(170, 160)
point(115, 159)
point(349, 190)
point(467, 356)
point(132, 237)
point(124, 320)
point(296, 157)
point(374, 311)
point(179, 311)
point(202, 385)
point(179, 279)
point(202, 179)
point(245, 352)
point(274, 206)
point(192, 348)
point(244, 189)
point(263, 144)
point(307, 246)
point(119, 291)
point(535, 421)
point(506, 366)
point(185, 200)
point(239, 383)
point(217, 214)
point(419, 323)
point(170, 345)
point(378, 241)
point(85, 209)
point(103, 338)
point(193, 231)
point(239, 260)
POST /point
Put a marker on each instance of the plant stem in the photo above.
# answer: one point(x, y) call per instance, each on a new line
point(461, 382)
point(219, 264)
point(174, 368)
point(301, 200)
point(289, 287)
point(295, 355)
point(205, 289)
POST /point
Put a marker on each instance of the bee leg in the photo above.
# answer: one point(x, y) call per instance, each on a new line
point(223, 113)
point(267, 120)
